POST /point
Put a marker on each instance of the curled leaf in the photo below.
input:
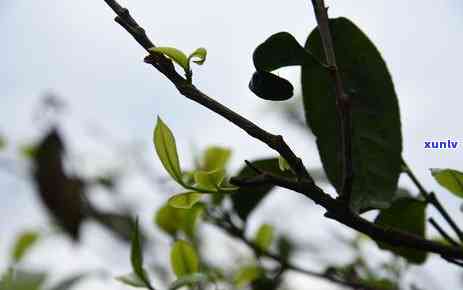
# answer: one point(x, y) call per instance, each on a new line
point(198, 56)
point(280, 50)
point(270, 87)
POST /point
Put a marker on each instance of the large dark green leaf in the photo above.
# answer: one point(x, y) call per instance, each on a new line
point(409, 215)
point(376, 133)
point(247, 198)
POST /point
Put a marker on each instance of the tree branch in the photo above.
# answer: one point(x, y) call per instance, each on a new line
point(343, 100)
point(225, 223)
point(336, 209)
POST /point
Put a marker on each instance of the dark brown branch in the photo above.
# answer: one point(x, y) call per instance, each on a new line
point(336, 209)
point(164, 65)
point(431, 198)
point(343, 100)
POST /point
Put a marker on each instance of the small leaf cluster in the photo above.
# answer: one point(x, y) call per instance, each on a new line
point(209, 179)
point(179, 57)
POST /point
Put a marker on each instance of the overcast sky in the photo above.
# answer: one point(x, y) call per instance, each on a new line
point(74, 48)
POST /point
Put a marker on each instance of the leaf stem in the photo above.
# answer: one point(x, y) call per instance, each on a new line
point(343, 101)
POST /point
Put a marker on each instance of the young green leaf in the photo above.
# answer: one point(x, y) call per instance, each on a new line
point(2, 142)
point(264, 237)
point(209, 180)
point(451, 179)
point(283, 164)
point(183, 258)
point(376, 130)
point(191, 219)
point(176, 55)
point(271, 87)
point(131, 279)
point(198, 56)
point(136, 256)
point(169, 219)
point(172, 220)
point(246, 275)
point(408, 215)
point(189, 280)
point(215, 158)
point(185, 200)
point(23, 244)
point(280, 50)
point(166, 148)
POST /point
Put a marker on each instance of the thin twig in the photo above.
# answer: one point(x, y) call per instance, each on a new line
point(442, 232)
point(431, 198)
point(343, 100)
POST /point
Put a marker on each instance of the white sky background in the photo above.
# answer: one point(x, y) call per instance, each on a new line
point(76, 50)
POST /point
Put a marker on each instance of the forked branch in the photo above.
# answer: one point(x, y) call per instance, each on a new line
point(336, 209)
